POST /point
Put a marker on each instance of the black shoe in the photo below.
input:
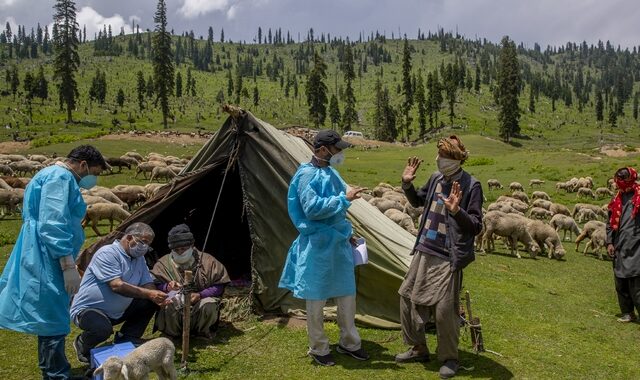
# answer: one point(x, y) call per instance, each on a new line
point(325, 360)
point(121, 338)
point(449, 369)
point(359, 354)
point(78, 348)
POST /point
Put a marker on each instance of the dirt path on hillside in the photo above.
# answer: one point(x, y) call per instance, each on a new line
point(182, 139)
point(9, 147)
point(617, 151)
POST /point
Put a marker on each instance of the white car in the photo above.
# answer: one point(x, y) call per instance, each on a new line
point(353, 134)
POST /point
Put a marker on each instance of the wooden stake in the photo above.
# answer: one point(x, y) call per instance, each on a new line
point(186, 317)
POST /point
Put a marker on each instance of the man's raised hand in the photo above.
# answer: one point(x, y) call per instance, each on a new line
point(409, 173)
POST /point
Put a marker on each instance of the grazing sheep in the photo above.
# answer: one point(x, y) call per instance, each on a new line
point(14, 157)
point(162, 172)
point(402, 219)
point(586, 214)
point(6, 170)
point(540, 213)
point(505, 207)
point(565, 223)
point(515, 203)
point(599, 211)
point(107, 194)
point(611, 184)
point(16, 183)
point(538, 182)
point(9, 201)
point(393, 195)
point(155, 355)
point(567, 187)
point(151, 189)
point(385, 204)
point(494, 184)
point(130, 160)
point(545, 235)
point(146, 167)
point(602, 192)
point(25, 167)
point(597, 242)
point(513, 227)
point(38, 158)
point(131, 199)
point(557, 208)
point(585, 192)
point(521, 196)
point(100, 211)
point(4, 185)
point(137, 156)
point(540, 195)
point(588, 230)
point(584, 182)
point(119, 162)
point(542, 203)
point(93, 199)
point(513, 186)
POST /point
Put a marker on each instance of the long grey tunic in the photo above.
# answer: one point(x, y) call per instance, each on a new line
point(626, 241)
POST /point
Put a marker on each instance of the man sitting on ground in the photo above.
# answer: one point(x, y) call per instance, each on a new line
point(209, 280)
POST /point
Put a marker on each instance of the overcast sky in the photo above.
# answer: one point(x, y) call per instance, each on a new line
point(548, 22)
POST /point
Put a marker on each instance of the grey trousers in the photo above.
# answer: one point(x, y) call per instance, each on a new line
point(628, 291)
point(204, 314)
point(349, 337)
point(413, 318)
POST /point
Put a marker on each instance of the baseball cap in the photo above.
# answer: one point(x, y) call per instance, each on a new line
point(328, 137)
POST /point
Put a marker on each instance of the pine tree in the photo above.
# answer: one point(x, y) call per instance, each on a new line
point(507, 90)
point(450, 88)
point(613, 117)
point(120, 98)
point(162, 61)
point(334, 111)
point(15, 81)
point(151, 88)
point(256, 96)
point(238, 85)
point(476, 85)
point(317, 91)
point(350, 115)
point(635, 105)
point(141, 86)
point(532, 100)
point(178, 85)
point(43, 85)
point(229, 84)
point(407, 89)
point(66, 59)
point(222, 35)
point(599, 106)
point(422, 106)
point(190, 90)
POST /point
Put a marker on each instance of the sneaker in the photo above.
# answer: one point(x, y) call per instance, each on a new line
point(325, 360)
point(627, 317)
point(412, 355)
point(449, 369)
point(121, 338)
point(359, 354)
point(78, 348)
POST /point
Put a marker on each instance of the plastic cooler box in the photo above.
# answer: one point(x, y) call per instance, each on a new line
point(101, 354)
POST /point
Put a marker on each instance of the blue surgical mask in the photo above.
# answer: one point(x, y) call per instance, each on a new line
point(182, 258)
point(88, 181)
point(138, 250)
point(337, 159)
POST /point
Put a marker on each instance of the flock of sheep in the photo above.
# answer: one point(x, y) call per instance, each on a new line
point(516, 218)
point(103, 203)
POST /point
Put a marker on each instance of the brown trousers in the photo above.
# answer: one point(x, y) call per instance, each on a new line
point(204, 314)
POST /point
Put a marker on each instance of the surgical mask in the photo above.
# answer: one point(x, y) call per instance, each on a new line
point(138, 250)
point(182, 258)
point(447, 166)
point(88, 181)
point(337, 159)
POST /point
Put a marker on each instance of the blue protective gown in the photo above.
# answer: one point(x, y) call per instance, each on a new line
point(32, 295)
point(320, 261)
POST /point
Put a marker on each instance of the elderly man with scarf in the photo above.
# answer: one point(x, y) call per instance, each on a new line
point(209, 276)
point(623, 242)
point(452, 201)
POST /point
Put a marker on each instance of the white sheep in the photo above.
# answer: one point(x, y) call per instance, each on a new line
point(9, 201)
point(494, 184)
point(385, 204)
point(557, 208)
point(162, 172)
point(135, 155)
point(542, 204)
point(100, 211)
point(585, 192)
point(6, 170)
point(588, 230)
point(402, 219)
point(540, 195)
point(521, 196)
point(602, 192)
point(540, 213)
point(108, 195)
point(538, 182)
point(596, 209)
point(513, 186)
point(151, 189)
point(38, 157)
point(505, 207)
point(567, 187)
point(565, 223)
point(511, 226)
point(155, 355)
point(586, 214)
point(597, 242)
point(546, 235)
point(147, 167)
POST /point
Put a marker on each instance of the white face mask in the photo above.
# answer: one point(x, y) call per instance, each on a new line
point(337, 159)
point(183, 258)
point(447, 166)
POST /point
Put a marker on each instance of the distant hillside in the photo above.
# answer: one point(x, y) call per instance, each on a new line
point(565, 78)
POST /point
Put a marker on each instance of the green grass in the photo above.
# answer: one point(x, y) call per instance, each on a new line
point(547, 318)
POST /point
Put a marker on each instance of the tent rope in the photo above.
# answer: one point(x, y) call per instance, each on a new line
point(232, 158)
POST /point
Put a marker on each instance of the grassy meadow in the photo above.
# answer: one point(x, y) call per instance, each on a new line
point(547, 319)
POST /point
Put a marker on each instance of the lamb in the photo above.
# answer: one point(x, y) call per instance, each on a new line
point(538, 182)
point(557, 208)
point(402, 219)
point(160, 172)
point(9, 201)
point(586, 214)
point(566, 186)
point(494, 184)
point(100, 211)
point(510, 226)
point(540, 195)
point(38, 158)
point(565, 223)
point(130, 198)
point(588, 230)
point(545, 235)
point(602, 192)
point(597, 242)
point(585, 192)
point(596, 209)
point(131, 160)
point(540, 213)
point(147, 167)
point(6, 170)
point(115, 161)
point(542, 203)
point(521, 196)
point(155, 355)
point(134, 155)
point(385, 204)
point(513, 186)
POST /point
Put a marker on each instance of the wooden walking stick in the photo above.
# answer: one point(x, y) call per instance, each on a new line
point(474, 327)
point(186, 317)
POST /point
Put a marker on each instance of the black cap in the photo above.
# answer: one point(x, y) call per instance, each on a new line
point(88, 153)
point(328, 137)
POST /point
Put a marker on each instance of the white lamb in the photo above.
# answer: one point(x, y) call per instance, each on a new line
point(513, 186)
point(538, 182)
point(557, 208)
point(540, 195)
point(402, 219)
point(545, 235)
point(586, 214)
point(511, 226)
point(156, 355)
point(597, 242)
point(565, 223)
point(588, 230)
point(542, 203)
point(522, 196)
point(540, 213)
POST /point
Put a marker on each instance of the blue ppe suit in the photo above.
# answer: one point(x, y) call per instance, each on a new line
point(33, 299)
point(319, 264)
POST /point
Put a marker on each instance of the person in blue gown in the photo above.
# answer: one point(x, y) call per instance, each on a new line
point(41, 275)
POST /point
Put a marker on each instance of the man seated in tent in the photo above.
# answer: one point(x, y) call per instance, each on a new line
point(209, 280)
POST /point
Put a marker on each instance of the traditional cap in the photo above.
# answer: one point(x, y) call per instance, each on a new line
point(453, 147)
point(180, 236)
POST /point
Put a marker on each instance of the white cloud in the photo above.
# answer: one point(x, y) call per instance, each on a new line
point(195, 8)
point(7, 3)
point(12, 22)
point(96, 22)
point(231, 13)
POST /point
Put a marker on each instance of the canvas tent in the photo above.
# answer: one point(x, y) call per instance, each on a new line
point(248, 164)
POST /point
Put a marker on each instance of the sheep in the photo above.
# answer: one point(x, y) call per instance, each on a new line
point(155, 355)
point(108, 195)
point(505, 207)
point(565, 223)
point(611, 184)
point(14, 157)
point(381, 189)
point(9, 201)
point(563, 186)
point(538, 182)
point(130, 198)
point(584, 182)
point(146, 167)
point(586, 214)
point(599, 211)
point(100, 211)
point(540, 213)
point(557, 208)
point(402, 219)
point(115, 161)
point(597, 242)
point(521, 196)
point(585, 192)
point(4, 185)
point(414, 212)
point(151, 189)
point(540, 195)
point(513, 186)
point(510, 226)
point(515, 203)
point(25, 167)
point(93, 199)
point(6, 170)
point(588, 230)
point(160, 172)
point(385, 204)
point(14, 182)
point(494, 184)
point(603, 192)
point(137, 156)
point(176, 168)
point(400, 198)
point(546, 235)
point(572, 184)
point(542, 203)
point(38, 158)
